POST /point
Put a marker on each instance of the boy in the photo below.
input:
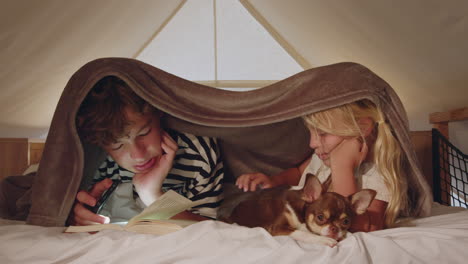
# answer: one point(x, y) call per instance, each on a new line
point(147, 159)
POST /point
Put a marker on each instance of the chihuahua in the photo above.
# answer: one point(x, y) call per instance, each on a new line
point(309, 214)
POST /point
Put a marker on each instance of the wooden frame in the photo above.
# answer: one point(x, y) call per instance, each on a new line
point(422, 143)
point(440, 121)
point(17, 154)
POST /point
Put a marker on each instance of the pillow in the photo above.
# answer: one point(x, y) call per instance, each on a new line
point(31, 168)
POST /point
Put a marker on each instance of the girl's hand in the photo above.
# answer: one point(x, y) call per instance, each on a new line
point(343, 161)
point(148, 184)
point(350, 153)
point(250, 181)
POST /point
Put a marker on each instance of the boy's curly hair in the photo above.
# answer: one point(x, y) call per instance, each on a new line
point(101, 119)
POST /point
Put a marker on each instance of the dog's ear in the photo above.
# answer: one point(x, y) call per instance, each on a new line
point(361, 200)
point(312, 188)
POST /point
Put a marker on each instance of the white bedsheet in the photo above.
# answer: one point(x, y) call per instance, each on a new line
point(441, 238)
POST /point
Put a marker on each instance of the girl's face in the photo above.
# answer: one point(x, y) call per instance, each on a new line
point(323, 144)
point(139, 150)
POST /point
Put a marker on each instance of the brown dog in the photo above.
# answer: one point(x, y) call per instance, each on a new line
point(309, 214)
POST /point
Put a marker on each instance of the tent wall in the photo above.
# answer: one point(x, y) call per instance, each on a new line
point(419, 47)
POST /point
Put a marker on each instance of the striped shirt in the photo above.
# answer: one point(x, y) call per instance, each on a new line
point(197, 174)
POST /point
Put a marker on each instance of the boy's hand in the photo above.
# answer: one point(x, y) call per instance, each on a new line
point(148, 185)
point(80, 214)
point(250, 181)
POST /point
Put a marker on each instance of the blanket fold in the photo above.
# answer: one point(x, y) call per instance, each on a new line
point(258, 130)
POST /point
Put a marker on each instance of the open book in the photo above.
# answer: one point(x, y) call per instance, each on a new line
point(155, 219)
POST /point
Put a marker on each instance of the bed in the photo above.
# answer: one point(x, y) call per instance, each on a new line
point(439, 237)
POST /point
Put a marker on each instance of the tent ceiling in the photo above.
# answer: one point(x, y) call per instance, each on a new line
point(419, 47)
point(202, 42)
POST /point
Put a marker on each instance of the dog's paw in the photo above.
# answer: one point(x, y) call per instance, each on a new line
point(327, 241)
point(308, 237)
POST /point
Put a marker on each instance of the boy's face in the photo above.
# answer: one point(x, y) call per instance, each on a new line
point(140, 148)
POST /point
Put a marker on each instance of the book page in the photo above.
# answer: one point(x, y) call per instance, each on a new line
point(158, 227)
point(155, 219)
point(179, 223)
point(165, 207)
point(93, 228)
point(154, 229)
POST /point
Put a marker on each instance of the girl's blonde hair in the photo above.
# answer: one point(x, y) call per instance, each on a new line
point(387, 152)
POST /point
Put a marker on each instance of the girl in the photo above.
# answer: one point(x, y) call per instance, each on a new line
point(354, 148)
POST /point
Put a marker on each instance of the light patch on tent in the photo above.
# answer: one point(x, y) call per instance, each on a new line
point(220, 44)
point(246, 51)
point(184, 47)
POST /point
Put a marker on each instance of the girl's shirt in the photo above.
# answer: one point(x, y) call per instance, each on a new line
point(367, 177)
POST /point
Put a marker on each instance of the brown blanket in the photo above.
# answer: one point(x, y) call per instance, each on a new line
point(258, 130)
